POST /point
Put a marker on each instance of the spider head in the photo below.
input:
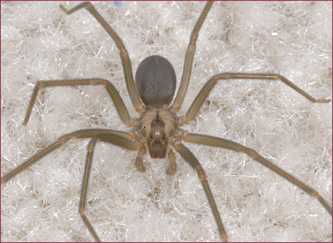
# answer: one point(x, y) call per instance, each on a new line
point(157, 140)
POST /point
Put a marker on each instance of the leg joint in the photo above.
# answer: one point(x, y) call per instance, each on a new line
point(65, 138)
point(81, 212)
point(88, 5)
point(122, 50)
point(315, 194)
point(92, 144)
point(250, 152)
point(40, 84)
point(201, 173)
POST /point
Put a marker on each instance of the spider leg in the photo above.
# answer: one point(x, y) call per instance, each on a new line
point(223, 143)
point(189, 59)
point(121, 141)
point(193, 161)
point(172, 159)
point(117, 100)
point(126, 62)
point(201, 97)
point(138, 162)
point(87, 133)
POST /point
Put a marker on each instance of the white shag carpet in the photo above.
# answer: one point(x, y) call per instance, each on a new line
point(40, 42)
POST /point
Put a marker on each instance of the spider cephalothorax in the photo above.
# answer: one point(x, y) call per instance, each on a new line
point(157, 126)
point(157, 140)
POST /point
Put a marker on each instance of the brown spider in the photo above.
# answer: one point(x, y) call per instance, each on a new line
point(158, 121)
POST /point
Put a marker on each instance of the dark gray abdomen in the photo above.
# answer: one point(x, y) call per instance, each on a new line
point(155, 81)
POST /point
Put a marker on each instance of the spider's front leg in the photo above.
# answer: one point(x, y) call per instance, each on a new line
point(109, 138)
point(193, 161)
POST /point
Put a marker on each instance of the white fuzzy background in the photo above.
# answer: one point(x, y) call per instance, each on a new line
point(40, 42)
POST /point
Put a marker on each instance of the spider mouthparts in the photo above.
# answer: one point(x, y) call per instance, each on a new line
point(157, 153)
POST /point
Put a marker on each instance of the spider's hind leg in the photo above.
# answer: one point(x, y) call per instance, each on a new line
point(189, 56)
point(126, 62)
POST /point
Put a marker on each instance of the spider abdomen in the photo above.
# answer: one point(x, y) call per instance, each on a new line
point(155, 80)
